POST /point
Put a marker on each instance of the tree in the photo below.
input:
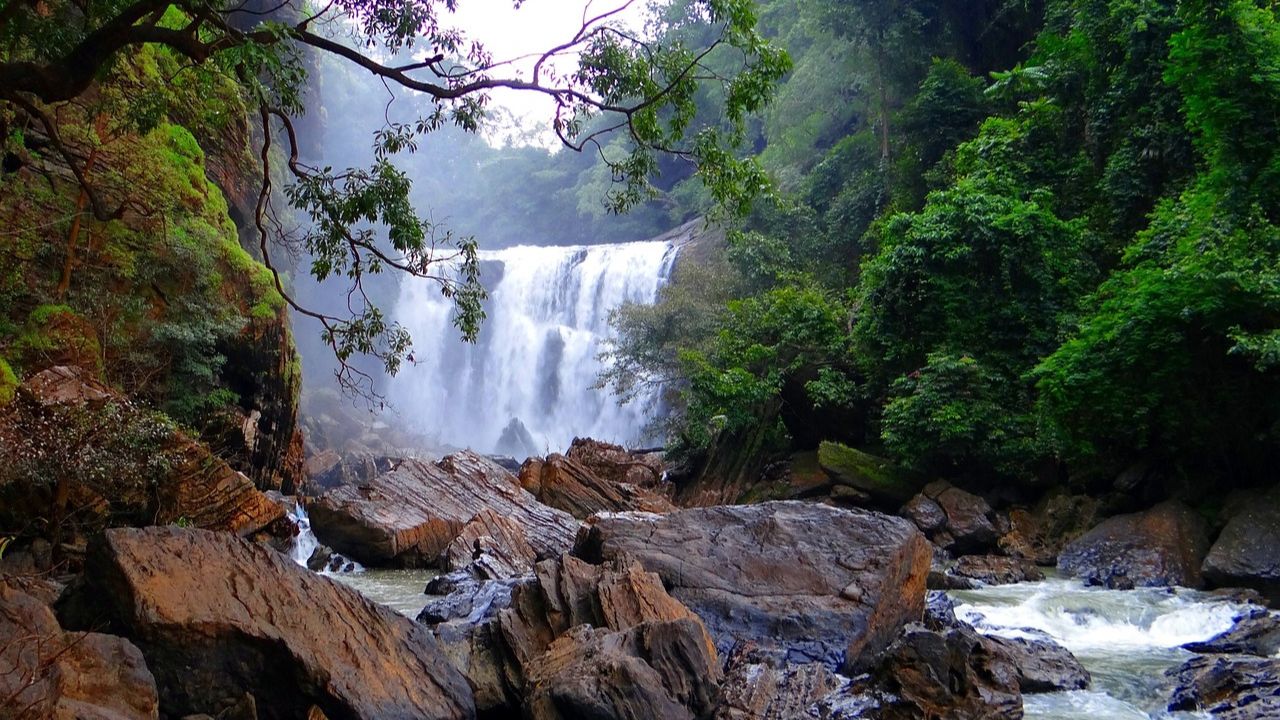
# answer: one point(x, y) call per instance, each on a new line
point(360, 220)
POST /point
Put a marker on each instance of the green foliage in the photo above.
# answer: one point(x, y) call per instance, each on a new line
point(8, 383)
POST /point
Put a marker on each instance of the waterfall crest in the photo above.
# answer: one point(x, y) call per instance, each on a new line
point(525, 387)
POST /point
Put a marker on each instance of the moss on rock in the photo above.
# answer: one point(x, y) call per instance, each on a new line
point(876, 476)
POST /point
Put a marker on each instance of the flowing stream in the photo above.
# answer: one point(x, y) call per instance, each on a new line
point(1126, 639)
point(526, 387)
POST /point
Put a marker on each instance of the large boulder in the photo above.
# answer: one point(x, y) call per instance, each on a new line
point(809, 582)
point(501, 633)
point(410, 515)
point(617, 465)
point(953, 519)
point(565, 484)
point(950, 673)
point(492, 546)
point(118, 465)
point(651, 670)
point(756, 689)
point(1227, 687)
point(1245, 552)
point(1161, 546)
point(1041, 664)
point(217, 617)
point(46, 672)
point(883, 481)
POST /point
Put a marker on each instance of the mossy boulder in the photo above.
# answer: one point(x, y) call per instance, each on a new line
point(8, 383)
point(885, 482)
point(58, 335)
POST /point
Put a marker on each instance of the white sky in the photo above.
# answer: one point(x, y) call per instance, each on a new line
point(536, 27)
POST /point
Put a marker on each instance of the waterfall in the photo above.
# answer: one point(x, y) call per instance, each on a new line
point(525, 387)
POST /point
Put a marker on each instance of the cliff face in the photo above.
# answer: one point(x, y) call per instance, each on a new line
point(162, 302)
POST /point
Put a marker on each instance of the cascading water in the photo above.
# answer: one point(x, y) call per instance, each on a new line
point(526, 386)
point(1127, 639)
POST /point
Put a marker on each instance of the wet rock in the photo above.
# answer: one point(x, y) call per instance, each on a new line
point(1245, 552)
point(217, 617)
point(469, 600)
point(563, 483)
point(1161, 546)
point(1041, 664)
point(493, 545)
point(939, 610)
point(409, 516)
point(951, 673)
point(807, 582)
point(48, 673)
point(756, 689)
point(1255, 633)
point(1227, 687)
point(996, 569)
point(879, 478)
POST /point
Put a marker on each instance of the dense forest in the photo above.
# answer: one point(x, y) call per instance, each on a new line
point(1013, 243)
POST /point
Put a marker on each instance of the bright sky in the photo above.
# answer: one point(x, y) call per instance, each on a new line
point(536, 27)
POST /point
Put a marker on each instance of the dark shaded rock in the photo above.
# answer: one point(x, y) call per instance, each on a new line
point(563, 483)
point(1161, 546)
point(1041, 664)
point(1228, 687)
point(1256, 633)
point(951, 673)
point(939, 610)
point(926, 513)
point(147, 472)
point(516, 440)
point(216, 617)
point(805, 581)
point(956, 520)
point(409, 516)
point(652, 670)
point(756, 689)
point(469, 600)
point(48, 673)
point(995, 569)
point(882, 480)
point(1245, 552)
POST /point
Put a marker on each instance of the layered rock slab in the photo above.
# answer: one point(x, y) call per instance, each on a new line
point(410, 515)
point(217, 617)
point(805, 582)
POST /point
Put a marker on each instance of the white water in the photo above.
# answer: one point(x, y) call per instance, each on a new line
point(305, 543)
point(537, 356)
point(1126, 639)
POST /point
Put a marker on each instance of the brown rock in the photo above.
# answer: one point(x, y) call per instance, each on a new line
point(217, 617)
point(652, 670)
point(1245, 552)
point(67, 675)
point(563, 483)
point(410, 515)
point(1161, 546)
point(1041, 664)
point(616, 465)
point(956, 520)
point(808, 582)
point(493, 545)
point(995, 569)
point(949, 674)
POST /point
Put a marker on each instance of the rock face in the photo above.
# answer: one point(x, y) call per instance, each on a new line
point(494, 546)
point(880, 479)
point(577, 638)
point(1041, 664)
point(756, 689)
point(807, 582)
point(409, 516)
point(1039, 535)
point(953, 519)
point(1161, 546)
point(329, 469)
point(995, 569)
point(217, 617)
point(616, 465)
point(143, 471)
point(565, 484)
point(950, 673)
point(1245, 552)
point(1227, 687)
point(48, 673)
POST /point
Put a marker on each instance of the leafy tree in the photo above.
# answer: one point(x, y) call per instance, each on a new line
point(361, 219)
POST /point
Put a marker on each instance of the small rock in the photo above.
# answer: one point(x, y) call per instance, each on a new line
point(996, 570)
